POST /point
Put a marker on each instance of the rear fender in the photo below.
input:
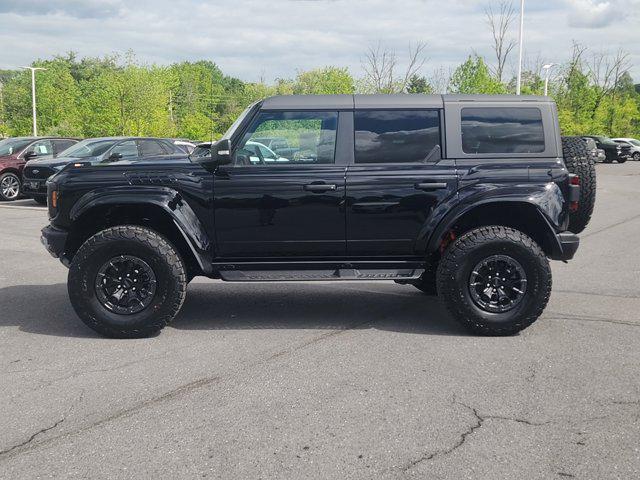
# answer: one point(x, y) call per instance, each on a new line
point(547, 200)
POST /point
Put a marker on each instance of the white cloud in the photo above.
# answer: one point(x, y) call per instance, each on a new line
point(591, 13)
point(274, 38)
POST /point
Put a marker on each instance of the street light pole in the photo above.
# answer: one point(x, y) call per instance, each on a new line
point(33, 96)
point(547, 68)
point(520, 41)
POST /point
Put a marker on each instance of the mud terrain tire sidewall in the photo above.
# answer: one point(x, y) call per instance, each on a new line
point(578, 161)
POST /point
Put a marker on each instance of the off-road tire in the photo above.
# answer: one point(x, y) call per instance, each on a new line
point(458, 261)
point(151, 247)
point(578, 161)
point(41, 199)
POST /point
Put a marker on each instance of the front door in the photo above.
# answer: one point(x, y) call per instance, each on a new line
point(397, 181)
point(287, 201)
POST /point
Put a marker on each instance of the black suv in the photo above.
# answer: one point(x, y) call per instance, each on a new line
point(612, 150)
point(466, 197)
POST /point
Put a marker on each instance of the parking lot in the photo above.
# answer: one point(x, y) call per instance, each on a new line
point(327, 380)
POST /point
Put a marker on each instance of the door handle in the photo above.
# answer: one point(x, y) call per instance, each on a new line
point(320, 187)
point(427, 186)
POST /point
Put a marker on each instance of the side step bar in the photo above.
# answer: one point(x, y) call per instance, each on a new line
point(320, 275)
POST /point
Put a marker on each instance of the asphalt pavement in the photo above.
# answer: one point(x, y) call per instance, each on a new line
point(327, 380)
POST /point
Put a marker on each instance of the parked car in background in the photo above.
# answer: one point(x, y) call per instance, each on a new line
point(612, 150)
point(14, 153)
point(595, 153)
point(106, 149)
point(278, 145)
point(633, 144)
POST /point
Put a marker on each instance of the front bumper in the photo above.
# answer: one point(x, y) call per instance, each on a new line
point(54, 240)
point(566, 247)
point(34, 186)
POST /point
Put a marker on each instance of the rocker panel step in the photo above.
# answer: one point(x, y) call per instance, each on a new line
point(320, 275)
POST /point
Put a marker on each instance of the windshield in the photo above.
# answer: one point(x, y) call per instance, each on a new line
point(88, 148)
point(13, 145)
point(239, 120)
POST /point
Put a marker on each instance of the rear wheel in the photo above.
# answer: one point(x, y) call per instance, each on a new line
point(10, 186)
point(494, 280)
point(636, 156)
point(579, 162)
point(127, 282)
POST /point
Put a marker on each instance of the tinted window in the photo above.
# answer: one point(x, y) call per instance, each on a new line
point(310, 136)
point(502, 130)
point(62, 145)
point(392, 136)
point(11, 146)
point(151, 147)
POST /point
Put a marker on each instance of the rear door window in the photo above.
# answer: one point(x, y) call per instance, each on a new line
point(395, 136)
point(502, 130)
point(152, 148)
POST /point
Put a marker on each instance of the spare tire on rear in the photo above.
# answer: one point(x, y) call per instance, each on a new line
point(578, 161)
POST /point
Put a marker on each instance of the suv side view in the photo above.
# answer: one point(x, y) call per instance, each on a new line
point(466, 197)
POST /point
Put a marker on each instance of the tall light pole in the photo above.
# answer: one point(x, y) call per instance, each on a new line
point(546, 69)
point(520, 41)
point(33, 95)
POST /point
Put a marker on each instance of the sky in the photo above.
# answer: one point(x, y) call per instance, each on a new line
point(271, 39)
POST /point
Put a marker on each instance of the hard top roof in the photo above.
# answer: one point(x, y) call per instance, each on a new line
point(400, 100)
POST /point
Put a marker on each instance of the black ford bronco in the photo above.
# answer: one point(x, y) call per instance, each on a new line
point(464, 197)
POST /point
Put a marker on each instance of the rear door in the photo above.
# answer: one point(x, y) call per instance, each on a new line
point(287, 207)
point(397, 181)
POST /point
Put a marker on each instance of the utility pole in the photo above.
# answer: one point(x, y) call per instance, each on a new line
point(520, 41)
point(33, 96)
point(547, 68)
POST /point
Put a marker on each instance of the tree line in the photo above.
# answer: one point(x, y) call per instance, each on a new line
point(118, 95)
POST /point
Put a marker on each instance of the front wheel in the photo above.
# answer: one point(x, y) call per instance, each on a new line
point(127, 282)
point(10, 186)
point(494, 280)
point(622, 160)
point(636, 156)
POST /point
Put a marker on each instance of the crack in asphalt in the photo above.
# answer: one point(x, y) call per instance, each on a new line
point(43, 430)
point(470, 429)
point(171, 394)
point(587, 318)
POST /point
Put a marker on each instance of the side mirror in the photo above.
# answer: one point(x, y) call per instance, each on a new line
point(30, 155)
point(220, 155)
point(221, 152)
point(115, 156)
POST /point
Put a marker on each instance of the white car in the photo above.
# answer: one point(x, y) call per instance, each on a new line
point(633, 143)
point(268, 155)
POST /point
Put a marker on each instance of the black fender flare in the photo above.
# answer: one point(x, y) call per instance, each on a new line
point(168, 199)
point(547, 200)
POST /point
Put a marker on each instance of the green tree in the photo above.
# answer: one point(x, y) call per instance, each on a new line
point(473, 76)
point(418, 84)
point(326, 80)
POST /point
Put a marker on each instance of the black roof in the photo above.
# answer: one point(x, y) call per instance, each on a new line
point(400, 100)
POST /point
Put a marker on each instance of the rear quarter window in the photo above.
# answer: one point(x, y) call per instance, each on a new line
point(502, 130)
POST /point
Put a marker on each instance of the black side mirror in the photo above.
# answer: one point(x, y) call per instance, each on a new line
point(115, 156)
point(220, 155)
point(30, 155)
point(221, 152)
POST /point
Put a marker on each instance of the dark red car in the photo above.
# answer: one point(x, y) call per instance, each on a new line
point(14, 153)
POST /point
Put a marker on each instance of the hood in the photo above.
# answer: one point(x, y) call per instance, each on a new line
point(56, 163)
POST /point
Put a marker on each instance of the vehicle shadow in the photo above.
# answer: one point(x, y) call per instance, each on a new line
point(46, 310)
